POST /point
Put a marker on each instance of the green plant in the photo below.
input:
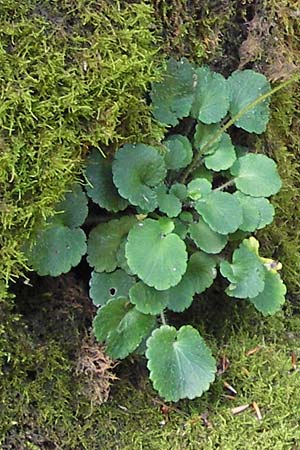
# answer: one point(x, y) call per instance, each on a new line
point(177, 213)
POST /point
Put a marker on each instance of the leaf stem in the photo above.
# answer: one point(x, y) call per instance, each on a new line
point(163, 318)
point(224, 186)
point(230, 122)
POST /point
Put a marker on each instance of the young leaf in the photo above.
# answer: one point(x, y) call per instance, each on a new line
point(246, 273)
point(211, 97)
point(137, 169)
point(159, 259)
point(198, 188)
point(172, 97)
point(168, 203)
point(57, 249)
point(180, 152)
point(256, 175)
point(104, 241)
point(101, 188)
point(121, 326)
point(245, 87)
point(179, 190)
point(73, 207)
point(221, 211)
point(180, 363)
point(271, 298)
point(106, 286)
point(222, 155)
point(147, 299)
point(206, 239)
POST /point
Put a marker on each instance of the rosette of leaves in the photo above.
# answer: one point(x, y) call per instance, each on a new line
point(171, 210)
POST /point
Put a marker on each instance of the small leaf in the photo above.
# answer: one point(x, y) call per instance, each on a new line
point(101, 188)
point(168, 203)
point(121, 326)
point(198, 188)
point(150, 253)
point(221, 211)
point(104, 241)
point(270, 300)
point(222, 155)
point(147, 299)
point(211, 97)
point(180, 152)
point(180, 228)
point(257, 212)
point(172, 97)
point(206, 239)
point(57, 249)
point(137, 169)
point(246, 273)
point(203, 134)
point(179, 190)
point(106, 286)
point(180, 363)
point(245, 87)
point(201, 271)
point(73, 209)
point(256, 175)
point(181, 295)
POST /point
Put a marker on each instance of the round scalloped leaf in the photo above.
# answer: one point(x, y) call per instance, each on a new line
point(266, 211)
point(206, 239)
point(181, 296)
point(121, 326)
point(101, 188)
point(159, 259)
point(221, 211)
point(251, 216)
point(147, 299)
point(198, 188)
point(246, 273)
point(211, 101)
point(73, 209)
point(179, 190)
point(270, 300)
point(180, 152)
point(106, 286)
point(172, 97)
point(245, 87)
point(201, 271)
point(104, 241)
point(180, 228)
point(222, 155)
point(169, 204)
point(256, 175)
point(180, 363)
point(137, 169)
point(203, 134)
point(57, 249)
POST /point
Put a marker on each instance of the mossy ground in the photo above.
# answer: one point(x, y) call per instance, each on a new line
point(46, 134)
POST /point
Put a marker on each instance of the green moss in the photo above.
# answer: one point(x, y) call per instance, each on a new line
point(73, 76)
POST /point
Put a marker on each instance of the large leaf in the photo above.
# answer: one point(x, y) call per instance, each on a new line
point(100, 187)
point(256, 175)
point(245, 87)
point(180, 152)
point(211, 97)
point(104, 241)
point(221, 211)
point(246, 273)
point(136, 170)
point(206, 239)
point(72, 209)
point(172, 97)
point(57, 249)
point(106, 286)
point(180, 363)
point(121, 326)
point(147, 299)
point(156, 256)
point(269, 301)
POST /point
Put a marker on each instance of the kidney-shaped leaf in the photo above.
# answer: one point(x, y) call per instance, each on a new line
point(101, 188)
point(180, 152)
point(106, 286)
point(221, 211)
point(57, 249)
point(104, 242)
point(271, 298)
point(158, 258)
point(222, 154)
point(245, 87)
point(211, 97)
point(72, 209)
point(256, 175)
point(121, 326)
point(180, 363)
point(147, 299)
point(173, 96)
point(206, 239)
point(136, 170)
